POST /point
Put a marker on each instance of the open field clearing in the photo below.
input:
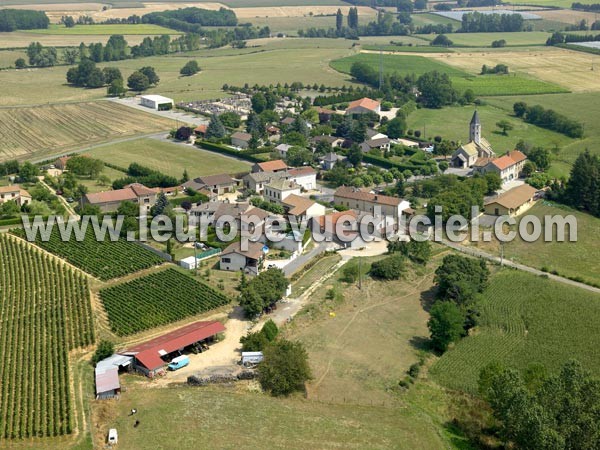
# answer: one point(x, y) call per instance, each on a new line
point(583, 107)
point(529, 38)
point(452, 123)
point(182, 416)
point(567, 15)
point(45, 313)
point(306, 60)
point(322, 267)
point(571, 259)
point(432, 19)
point(8, 57)
point(297, 11)
point(345, 366)
point(566, 68)
point(291, 24)
point(102, 259)
point(21, 39)
point(157, 299)
point(125, 29)
point(481, 85)
point(525, 319)
point(64, 127)
point(169, 158)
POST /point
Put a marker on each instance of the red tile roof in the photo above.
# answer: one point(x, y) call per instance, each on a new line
point(302, 171)
point(510, 159)
point(335, 217)
point(269, 166)
point(366, 103)
point(201, 129)
point(298, 205)
point(149, 353)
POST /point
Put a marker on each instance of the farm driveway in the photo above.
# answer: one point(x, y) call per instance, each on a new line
point(134, 102)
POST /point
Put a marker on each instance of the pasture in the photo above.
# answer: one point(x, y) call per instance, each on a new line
point(530, 38)
point(145, 29)
point(64, 127)
point(583, 107)
point(21, 39)
point(169, 158)
point(480, 84)
point(525, 319)
point(304, 60)
point(571, 259)
point(157, 299)
point(421, 19)
point(8, 57)
point(182, 416)
point(102, 259)
point(566, 68)
point(46, 312)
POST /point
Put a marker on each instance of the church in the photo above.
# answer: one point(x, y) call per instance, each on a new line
point(477, 152)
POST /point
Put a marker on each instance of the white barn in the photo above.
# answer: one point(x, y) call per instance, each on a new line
point(157, 102)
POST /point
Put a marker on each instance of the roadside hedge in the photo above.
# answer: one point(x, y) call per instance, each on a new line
point(248, 155)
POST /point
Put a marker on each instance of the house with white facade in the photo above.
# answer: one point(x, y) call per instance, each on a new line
point(277, 191)
point(234, 258)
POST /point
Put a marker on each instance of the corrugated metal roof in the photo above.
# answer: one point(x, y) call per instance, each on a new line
point(107, 379)
point(148, 353)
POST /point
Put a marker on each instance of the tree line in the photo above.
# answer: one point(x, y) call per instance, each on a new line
point(549, 119)
point(593, 7)
point(476, 22)
point(22, 19)
point(562, 38)
point(136, 173)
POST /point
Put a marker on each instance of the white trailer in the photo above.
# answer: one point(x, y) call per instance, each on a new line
point(251, 358)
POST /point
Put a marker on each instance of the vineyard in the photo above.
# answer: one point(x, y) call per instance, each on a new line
point(525, 319)
point(157, 299)
point(104, 260)
point(45, 311)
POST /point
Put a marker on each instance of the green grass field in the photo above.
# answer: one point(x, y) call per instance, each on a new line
point(230, 3)
point(572, 259)
point(145, 29)
point(291, 25)
point(485, 39)
point(583, 107)
point(525, 319)
point(559, 3)
point(283, 60)
point(169, 158)
point(432, 19)
point(421, 48)
point(480, 84)
point(452, 123)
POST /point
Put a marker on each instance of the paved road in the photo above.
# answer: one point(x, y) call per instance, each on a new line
point(297, 263)
point(508, 263)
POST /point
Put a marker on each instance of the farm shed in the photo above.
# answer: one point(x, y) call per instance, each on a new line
point(107, 375)
point(150, 357)
point(157, 102)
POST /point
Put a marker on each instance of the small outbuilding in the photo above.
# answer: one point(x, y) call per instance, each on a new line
point(157, 102)
point(513, 202)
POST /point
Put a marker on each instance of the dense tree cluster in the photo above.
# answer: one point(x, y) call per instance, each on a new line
point(541, 412)
point(389, 268)
point(190, 68)
point(416, 251)
point(284, 368)
point(549, 119)
point(475, 22)
point(441, 40)
point(593, 7)
point(86, 74)
point(257, 341)
point(85, 166)
point(263, 291)
point(136, 173)
point(22, 19)
point(497, 69)
point(583, 188)
point(562, 38)
point(40, 56)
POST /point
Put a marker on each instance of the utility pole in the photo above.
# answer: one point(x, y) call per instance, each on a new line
point(359, 272)
point(380, 68)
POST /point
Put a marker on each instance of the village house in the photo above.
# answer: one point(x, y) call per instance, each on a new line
point(325, 114)
point(205, 212)
point(200, 130)
point(287, 121)
point(258, 180)
point(508, 166)
point(333, 141)
point(217, 184)
point(301, 207)
point(109, 201)
point(277, 191)
point(365, 201)
point(234, 259)
point(282, 149)
point(306, 177)
point(277, 165)
point(478, 147)
point(376, 144)
point(14, 193)
point(363, 106)
point(240, 139)
point(372, 133)
point(329, 160)
point(513, 202)
point(252, 219)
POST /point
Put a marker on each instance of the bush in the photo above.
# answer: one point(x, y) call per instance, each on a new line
point(389, 268)
point(190, 68)
point(284, 368)
point(104, 350)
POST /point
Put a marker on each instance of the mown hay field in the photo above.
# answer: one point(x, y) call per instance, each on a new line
point(514, 84)
point(21, 39)
point(35, 132)
point(525, 319)
point(567, 68)
point(100, 29)
point(486, 39)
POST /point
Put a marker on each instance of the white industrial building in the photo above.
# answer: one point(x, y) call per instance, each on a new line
point(157, 102)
